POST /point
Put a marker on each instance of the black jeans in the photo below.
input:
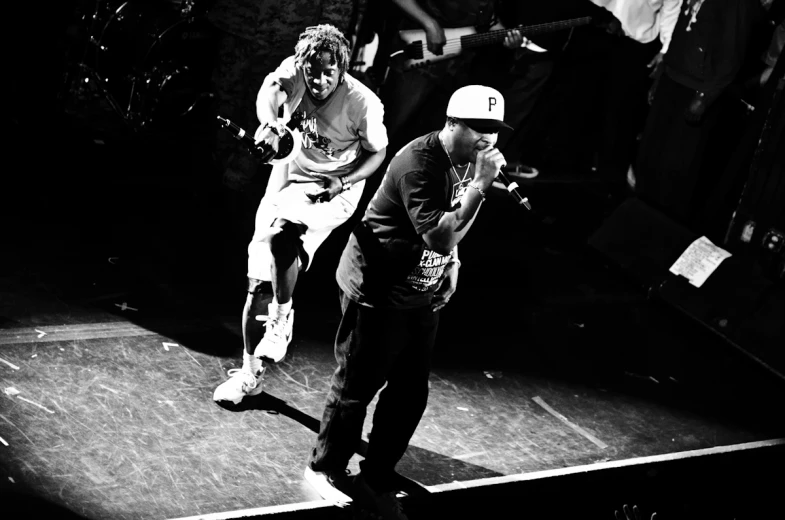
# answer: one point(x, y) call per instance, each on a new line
point(671, 172)
point(374, 346)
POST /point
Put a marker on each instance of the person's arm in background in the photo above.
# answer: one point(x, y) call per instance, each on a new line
point(773, 52)
point(669, 13)
point(434, 33)
point(667, 17)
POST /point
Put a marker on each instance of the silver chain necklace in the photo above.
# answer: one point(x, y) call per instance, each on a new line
point(454, 171)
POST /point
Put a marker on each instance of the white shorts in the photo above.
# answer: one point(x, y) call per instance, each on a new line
point(291, 203)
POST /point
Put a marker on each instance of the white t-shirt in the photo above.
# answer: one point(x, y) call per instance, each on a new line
point(645, 20)
point(333, 133)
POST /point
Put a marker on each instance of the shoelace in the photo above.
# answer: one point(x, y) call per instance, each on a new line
point(249, 379)
point(276, 326)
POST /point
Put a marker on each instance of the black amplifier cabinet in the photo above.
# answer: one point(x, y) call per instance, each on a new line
point(738, 302)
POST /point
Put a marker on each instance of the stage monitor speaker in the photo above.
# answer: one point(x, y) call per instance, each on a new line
point(736, 302)
point(642, 241)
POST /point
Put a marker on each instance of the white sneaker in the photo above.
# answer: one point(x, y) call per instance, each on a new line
point(329, 484)
point(272, 347)
point(241, 382)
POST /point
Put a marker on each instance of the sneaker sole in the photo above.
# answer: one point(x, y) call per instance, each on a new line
point(268, 359)
point(256, 391)
point(326, 491)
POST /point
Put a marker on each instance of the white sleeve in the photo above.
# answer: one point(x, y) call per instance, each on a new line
point(371, 129)
point(669, 14)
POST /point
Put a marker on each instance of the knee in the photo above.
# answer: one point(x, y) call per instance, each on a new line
point(256, 286)
point(285, 245)
point(355, 394)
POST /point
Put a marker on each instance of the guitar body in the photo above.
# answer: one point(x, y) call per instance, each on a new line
point(416, 53)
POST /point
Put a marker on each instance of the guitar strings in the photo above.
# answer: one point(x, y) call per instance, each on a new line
point(455, 44)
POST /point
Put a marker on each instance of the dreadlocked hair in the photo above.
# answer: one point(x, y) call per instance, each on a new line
point(322, 38)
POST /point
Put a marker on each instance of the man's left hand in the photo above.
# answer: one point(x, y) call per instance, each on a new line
point(446, 287)
point(331, 188)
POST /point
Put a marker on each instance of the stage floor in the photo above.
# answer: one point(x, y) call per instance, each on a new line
point(543, 363)
point(108, 411)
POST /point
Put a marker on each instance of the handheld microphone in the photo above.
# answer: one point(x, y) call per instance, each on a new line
point(261, 151)
point(288, 146)
point(512, 187)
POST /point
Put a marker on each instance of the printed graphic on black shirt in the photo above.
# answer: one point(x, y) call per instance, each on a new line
point(428, 271)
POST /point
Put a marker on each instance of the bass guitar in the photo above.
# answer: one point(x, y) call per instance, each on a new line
point(414, 52)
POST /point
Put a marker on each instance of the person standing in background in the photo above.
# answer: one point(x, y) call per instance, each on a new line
point(706, 53)
point(644, 29)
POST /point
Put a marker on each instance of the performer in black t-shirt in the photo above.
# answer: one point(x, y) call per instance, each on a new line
point(399, 268)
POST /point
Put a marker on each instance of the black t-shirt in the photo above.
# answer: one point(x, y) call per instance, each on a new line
point(386, 262)
point(709, 42)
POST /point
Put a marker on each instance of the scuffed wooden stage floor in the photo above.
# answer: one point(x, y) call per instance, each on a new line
point(108, 412)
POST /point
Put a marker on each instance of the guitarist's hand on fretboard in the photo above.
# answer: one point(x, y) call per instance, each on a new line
point(513, 40)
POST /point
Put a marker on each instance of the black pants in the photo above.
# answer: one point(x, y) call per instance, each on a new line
point(374, 346)
point(671, 165)
point(624, 104)
point(527, 79)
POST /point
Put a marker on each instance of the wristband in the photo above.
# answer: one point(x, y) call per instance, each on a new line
point(482, 193)
point(346, 185)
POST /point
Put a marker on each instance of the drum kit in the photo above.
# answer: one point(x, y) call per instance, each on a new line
point(148, 62)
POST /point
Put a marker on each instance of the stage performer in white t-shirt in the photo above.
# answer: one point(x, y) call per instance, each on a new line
point(343, 142)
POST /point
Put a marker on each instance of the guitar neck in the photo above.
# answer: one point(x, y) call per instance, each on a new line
point(497, 36)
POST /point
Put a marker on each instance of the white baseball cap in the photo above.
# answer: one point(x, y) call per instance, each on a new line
point(480, 107)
